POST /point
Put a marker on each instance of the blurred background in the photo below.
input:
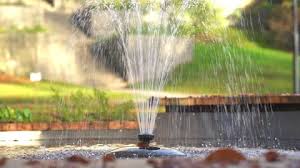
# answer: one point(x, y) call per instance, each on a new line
point(51, 70)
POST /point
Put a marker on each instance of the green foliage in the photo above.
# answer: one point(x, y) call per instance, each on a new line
point(198, 16)
point(31, 30)
point(51, 101)
point(114, 4)
point(8, 114)
point(229, 68)
point(34, 29)
point(60, 105)
point(105, 111)
point(101, 106)
point(70, 108)
point(203, 18)
point(78, 102)
point(124, 109)
point(273, 19)
point(80, 105)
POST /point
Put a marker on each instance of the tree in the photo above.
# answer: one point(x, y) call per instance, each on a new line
point(273, 18)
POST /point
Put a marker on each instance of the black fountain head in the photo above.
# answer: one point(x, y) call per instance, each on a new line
point(145, 138)
point(144, 150)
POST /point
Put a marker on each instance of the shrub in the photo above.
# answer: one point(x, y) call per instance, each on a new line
point(122, 111)
point(8, 114)
point(274, 25)
point(80, 106)
point(101, 105)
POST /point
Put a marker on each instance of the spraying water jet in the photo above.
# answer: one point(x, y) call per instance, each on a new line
point(147, 39)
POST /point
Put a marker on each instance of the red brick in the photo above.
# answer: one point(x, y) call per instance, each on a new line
point(130, 125)
point(40, 126)
point(24, 127)
point(56, 126)
point(99, 125)
point(114, 125)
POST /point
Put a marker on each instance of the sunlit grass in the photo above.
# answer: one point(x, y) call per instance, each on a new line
point(41, 98)
point(44, 90)
point(218, 67)
point(31, 30)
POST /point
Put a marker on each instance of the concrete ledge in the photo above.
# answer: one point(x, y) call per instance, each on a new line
point(243, 129)
point(69, 137)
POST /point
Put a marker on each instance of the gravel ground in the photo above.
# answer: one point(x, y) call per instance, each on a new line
point(59, 157)
point(96, 151)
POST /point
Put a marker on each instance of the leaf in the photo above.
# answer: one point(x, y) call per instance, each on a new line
point(27, 114)
point(5, 114)
point(11, 113)
point(19, 115)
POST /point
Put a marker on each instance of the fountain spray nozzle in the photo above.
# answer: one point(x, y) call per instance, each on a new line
point(145, 139)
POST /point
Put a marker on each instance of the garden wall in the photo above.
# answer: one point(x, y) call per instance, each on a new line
point(22, 53)
point(18, 53)
point(63, 54)
point(20, 16)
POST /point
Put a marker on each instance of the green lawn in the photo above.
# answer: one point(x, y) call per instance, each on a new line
point(49, 101)
point(230, 68)
point(42, 91)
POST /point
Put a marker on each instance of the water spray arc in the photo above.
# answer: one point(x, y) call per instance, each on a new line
point(146, 33)
point(296, 59)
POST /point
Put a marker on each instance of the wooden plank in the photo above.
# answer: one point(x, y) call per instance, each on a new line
point(231, 100)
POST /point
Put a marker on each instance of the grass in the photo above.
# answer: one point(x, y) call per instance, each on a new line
point(233, 68)
point(42, 91)
point(49, 101)
point(31, 30)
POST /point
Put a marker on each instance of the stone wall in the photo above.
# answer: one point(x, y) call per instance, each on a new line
point(20, 16)
point(64, 54)
point(18, 53)
point(18, 49)
point(57, 60)
point(22, 53)
point(49, 52)
point(61, 60)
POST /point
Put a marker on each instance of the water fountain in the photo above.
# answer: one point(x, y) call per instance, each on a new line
point(151, 27)
point(144, 34)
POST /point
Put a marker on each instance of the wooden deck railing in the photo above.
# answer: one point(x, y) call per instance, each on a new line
point(282, 102)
